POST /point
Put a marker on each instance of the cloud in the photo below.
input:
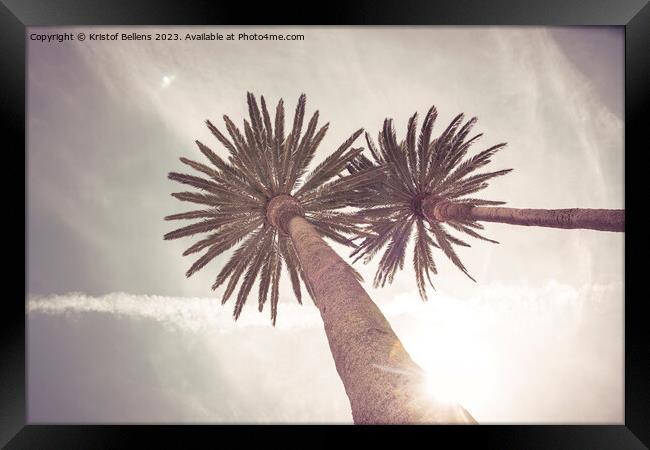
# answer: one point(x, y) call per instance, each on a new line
point(510, 353)
point(197, 314)
point(188, 313)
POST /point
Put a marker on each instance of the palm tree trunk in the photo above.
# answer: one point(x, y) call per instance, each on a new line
point(592, 219)
point(381, 380)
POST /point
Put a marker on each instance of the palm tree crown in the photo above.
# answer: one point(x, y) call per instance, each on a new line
point(264, 164)
point(421, 171)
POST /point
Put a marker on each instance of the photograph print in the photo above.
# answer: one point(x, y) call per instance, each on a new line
point(325, 225)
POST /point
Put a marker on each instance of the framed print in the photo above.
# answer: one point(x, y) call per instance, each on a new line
point(406, 215)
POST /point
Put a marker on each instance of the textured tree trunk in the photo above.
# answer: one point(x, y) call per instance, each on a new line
point(381, 380)
point(592, 219)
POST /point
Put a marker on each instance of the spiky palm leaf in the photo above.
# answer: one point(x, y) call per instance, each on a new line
point(419, 167)
point(263, 163)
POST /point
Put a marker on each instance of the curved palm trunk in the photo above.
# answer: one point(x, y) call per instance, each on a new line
point(593, 219)
point(381, 380)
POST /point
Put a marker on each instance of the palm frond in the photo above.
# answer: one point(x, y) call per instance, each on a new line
point(393, 258)
point(265, 249)
point(410, 145)
point(463, 187)
point(373, 150)
point(372, 245)
point(304, 153)
point(470, 165)
point(265, 283)
point(340, 193)
point(393, 153)
point(225, 231)
point(467, 230)
point(203, 199)
point(332, 165)
point(199, 227)
point(423, 259)
point(241, 255)
point(242, 261)
point(198, 214)
point(227, 241)
point(424, 141)
point(292, 141)
point(443, 242)
point(293, 265)
point(275, 287)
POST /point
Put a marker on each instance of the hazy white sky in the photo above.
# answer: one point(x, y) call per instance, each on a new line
point(116, 331)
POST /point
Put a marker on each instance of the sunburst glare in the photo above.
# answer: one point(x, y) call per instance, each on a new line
point(167, 80)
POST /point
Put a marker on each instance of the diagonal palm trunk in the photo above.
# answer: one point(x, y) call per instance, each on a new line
point(592, 219)
point(382, 382)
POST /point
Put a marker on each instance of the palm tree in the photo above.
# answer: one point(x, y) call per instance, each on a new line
point(426, 188)
point(262, 196)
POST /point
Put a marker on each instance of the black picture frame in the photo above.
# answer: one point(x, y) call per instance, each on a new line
point(16, 15)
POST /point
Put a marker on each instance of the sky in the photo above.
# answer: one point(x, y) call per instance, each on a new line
point(117, 334)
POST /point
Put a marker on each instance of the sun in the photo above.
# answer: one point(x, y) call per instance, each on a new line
point(444, 338)
point(167, 80)
point(442, 394)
